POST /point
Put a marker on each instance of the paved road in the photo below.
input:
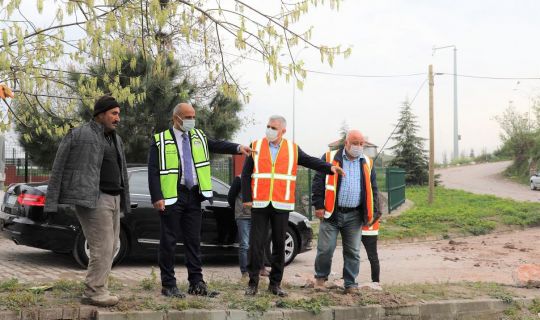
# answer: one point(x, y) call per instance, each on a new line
point(486, 178)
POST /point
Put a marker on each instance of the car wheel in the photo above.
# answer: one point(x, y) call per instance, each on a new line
point(291, 246)
point(81, 251)
point(533, 187)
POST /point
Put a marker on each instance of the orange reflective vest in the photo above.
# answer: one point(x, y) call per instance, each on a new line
point(274, 182)
point(330, 193)
point(371, 231)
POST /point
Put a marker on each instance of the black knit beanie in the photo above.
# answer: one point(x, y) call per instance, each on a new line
point(105, 103)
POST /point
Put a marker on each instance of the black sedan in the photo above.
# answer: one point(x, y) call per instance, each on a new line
point(23, 220)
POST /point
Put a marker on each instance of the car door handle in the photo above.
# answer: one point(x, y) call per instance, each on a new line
point(134, 205)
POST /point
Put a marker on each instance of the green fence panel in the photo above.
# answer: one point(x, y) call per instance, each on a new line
point(395, 186)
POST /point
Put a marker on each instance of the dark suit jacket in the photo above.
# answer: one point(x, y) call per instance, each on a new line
point(304, 160)
point(318, 189)
point(214, 146)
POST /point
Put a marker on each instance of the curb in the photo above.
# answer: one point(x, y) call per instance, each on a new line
point(441, 310)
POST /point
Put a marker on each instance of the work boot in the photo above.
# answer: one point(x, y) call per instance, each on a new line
point(200, 289)
point(172, 292)
point(277, 291)
point(105, 300)
point(251, 290)
point(351, 290)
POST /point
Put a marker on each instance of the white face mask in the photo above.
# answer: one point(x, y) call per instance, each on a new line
point(187, 124)
point(271, 134)
point(356, 151)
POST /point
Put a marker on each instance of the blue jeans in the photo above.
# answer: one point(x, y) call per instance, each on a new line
point(349, 225)
point(244, 225)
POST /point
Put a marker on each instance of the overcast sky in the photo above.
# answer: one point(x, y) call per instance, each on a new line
point(493, 38)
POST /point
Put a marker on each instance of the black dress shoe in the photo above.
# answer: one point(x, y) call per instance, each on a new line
point(276, 290)
point(251, 290)
point(200, 289)
point(172, 292)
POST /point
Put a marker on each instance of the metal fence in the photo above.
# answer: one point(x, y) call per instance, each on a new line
point(395, 186)
point(19, 166)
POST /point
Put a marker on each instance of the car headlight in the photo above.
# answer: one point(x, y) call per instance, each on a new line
point(307, 222)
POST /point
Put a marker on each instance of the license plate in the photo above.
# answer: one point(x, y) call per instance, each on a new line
point(11, 200)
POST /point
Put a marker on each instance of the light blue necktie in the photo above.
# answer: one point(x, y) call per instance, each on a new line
point(188, 161)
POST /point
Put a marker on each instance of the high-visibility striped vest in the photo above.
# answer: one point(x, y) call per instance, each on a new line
point(371, 231)
point(169, 164)
point(274, 182)
point(330, 192)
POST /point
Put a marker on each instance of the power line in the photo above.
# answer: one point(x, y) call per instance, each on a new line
point(367, 75)
point(487, 77)
point(399, 122)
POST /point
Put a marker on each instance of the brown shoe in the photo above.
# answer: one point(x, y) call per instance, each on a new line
point(106, 300)
point(351, 290)
point(319, 284)
point(264, 273)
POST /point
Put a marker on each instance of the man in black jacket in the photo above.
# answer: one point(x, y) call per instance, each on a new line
point(89, 171)
point(344, 206)
point(178, 182)
point(275, 148)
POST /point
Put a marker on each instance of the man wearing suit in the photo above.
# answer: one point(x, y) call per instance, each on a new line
point(344, 205)
point(179, 179)
point(268, 187)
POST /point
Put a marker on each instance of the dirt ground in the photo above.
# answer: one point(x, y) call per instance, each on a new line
point(483, 258)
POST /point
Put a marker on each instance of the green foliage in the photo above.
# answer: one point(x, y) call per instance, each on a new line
point(313, 305)
point(409, 148)
point(151, 283)
point(37, 56)
point(158, 93)
point(18, 300)
point(9, 285)
point(521, 142)
point(455, 212)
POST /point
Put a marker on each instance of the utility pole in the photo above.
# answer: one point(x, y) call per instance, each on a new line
point(456, 134)
point(431, 178)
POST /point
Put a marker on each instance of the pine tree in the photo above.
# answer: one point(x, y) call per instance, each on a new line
point(409, 151)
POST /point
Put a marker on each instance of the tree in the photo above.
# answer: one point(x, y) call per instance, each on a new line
point(521, 141)
point(161, 91)
point(38, 60)
point(409, 151)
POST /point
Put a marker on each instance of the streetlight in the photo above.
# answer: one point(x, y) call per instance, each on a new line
point(456, 135)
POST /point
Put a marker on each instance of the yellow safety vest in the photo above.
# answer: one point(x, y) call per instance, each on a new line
point(169, 164)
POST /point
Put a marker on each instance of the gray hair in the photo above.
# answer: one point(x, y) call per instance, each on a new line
point(281, 119)
point(176, 110)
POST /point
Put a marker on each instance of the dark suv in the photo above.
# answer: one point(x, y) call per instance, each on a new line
point(23, 220)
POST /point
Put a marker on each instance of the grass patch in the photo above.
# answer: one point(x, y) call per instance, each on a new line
point(457, 213)
point(150, 283)
point(9, 285)
point(18, 300)
point(17, 296)
point(313, 305)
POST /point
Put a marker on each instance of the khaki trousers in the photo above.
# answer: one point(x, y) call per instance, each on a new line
point(101, 228)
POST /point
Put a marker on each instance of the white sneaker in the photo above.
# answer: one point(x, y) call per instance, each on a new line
point(376, 286)
point(372, 286)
